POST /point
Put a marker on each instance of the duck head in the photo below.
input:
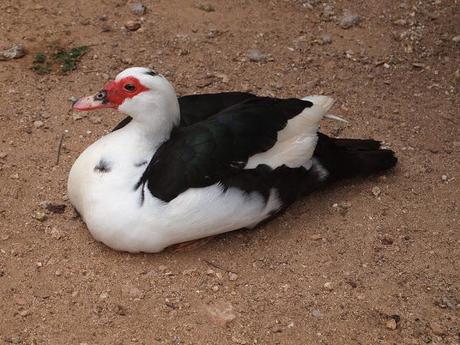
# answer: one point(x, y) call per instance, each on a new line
point(140, 93)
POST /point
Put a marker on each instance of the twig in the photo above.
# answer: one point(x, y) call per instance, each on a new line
point(210, 263)
point(59, 149)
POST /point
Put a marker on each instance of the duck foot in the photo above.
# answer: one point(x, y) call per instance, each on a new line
point(190, 245)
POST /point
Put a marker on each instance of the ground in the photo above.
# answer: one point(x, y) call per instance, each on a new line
point(371, 261)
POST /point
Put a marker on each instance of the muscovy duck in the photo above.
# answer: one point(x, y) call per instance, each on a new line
point(178, 170)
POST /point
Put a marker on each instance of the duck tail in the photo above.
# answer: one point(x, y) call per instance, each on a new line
point(345, 158)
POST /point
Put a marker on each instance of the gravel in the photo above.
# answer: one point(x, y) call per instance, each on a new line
point(349, 20)
point(137, 8)
point(132, 25)
point(255, 55)
point(16, 51)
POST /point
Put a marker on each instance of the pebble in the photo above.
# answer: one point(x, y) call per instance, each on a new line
point(119, 310)
point(437, 329)
point(328, 286)
point(104, 295)
point(342, 207)
point(24, 312)
point(14, 176)
point(447, 302)
point(3, 155)
point(348, 20)
point(56, 233)
point(220, 313)
point(38, 124)
point(391, 324)
point(316, 313)
point(232, 276)
point(328, 11)
point(376, 191)
point(16, 51)
point(19, 300)
point(456, 39)
point(206, 7)
point(444, 178)
point(325, 39)
point(53, 207)
point(132, 25)
point(162, 268)
point(137, 8)
point(40, 216)
point(255, 55)
point(76, 116)
point(135, 292)
point(95, 119)
point(316, 237)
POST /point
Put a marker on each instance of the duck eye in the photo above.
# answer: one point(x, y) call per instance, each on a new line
point(129, 87)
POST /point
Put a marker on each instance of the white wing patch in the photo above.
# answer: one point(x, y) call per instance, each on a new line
point(297, 141)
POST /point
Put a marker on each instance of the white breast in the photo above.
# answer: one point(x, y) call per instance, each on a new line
point(113, 210)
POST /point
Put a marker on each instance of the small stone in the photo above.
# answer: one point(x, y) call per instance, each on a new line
point(316, 237)
point(24, 312)
point(376, 191)
point(418, 65)
point(19, 300)
point(127, 61)
point(76, 116)
point(135, 292)
point(400, 22)
point(95, 119)
point(325, 39)
point(14, 176)
point(132, 25)
point(328, 11)
point(316, 313)
point(438, 329)
point(206, 7)
point(53, 207)
point(215, 288)
point(391, 324)
point(104, 295)
point(220, 313)
point(232, 276)
point(3, 155)
point(119, 310)
point(137, 8)
point(387, 241)
point(328, 286)
point(342, 207)
point(16, 51)
point(210, 272)
point(444, 178)
point(56, 233)
point(162, 268)
point(456, 39)
point(38, 124)
point(348, 20)
point(447, 302)
point(256, 56)
point(40, 216)
point(58, 273)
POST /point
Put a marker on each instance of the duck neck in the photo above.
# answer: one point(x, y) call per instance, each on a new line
point(156, 124)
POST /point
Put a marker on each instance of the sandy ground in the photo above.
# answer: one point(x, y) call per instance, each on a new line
point(382, 267)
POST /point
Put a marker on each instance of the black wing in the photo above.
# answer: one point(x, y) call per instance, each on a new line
point(219, 147)
point(196, 108)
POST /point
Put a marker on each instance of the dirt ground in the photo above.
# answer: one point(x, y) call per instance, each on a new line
point(364, 262)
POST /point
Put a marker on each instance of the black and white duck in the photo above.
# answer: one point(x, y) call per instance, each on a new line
point(181, 169)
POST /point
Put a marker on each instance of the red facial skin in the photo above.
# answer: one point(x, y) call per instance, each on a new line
point(116, 92)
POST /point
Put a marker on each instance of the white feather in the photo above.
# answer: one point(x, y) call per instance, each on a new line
point(297, 141)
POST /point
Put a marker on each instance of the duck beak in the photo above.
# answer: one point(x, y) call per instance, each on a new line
point(97, 101)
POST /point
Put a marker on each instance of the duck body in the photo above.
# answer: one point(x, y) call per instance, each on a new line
point(205, 165)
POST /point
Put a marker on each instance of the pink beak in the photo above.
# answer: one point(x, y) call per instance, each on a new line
point(97, 101)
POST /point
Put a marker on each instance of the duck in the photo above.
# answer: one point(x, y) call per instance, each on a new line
point(177, 170)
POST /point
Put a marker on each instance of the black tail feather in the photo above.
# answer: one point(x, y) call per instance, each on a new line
point(343, 158)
